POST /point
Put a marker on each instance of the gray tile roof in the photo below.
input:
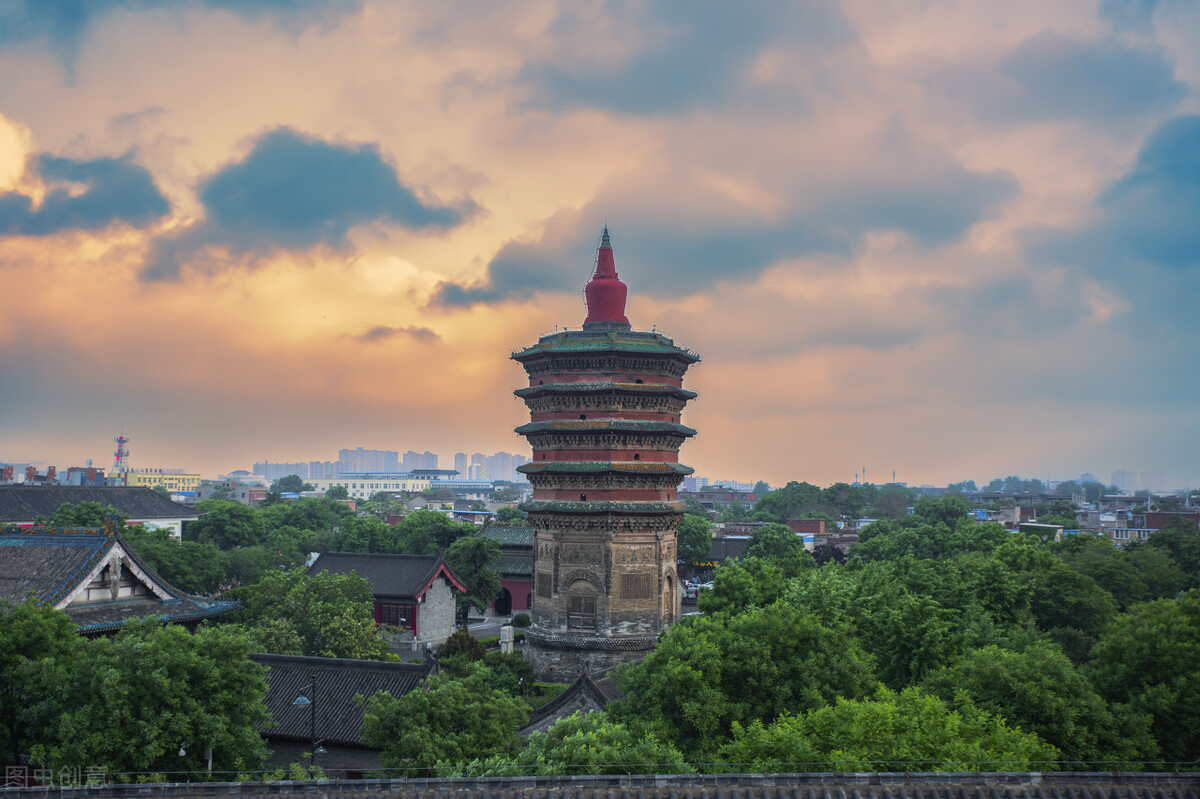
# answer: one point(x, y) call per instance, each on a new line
point(339, 717)
point(50, 562)
point(26, 503)
point(510, 535)
point(392, 576)
point(585, 694)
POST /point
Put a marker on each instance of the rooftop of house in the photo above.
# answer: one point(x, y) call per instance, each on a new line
point(339, 716)
point(55, 565)
point(25, 504)
point(510, 535)
point(393, 576)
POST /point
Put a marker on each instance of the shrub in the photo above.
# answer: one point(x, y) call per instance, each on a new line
point(462, 644)
point(521, 620)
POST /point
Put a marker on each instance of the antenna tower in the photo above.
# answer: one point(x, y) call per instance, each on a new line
point(121, 456)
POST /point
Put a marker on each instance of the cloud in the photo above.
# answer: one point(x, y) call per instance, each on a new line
point(1064, 77)
point(652, 58)
point(114, 191)
point(681, 233)
point(1152, 212)
point(1129, 14)
point(1148, 216)
point(63, 23)
point(383, 333)
point(1052, 76)
point(294, 192)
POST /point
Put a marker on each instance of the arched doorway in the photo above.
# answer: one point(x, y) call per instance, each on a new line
point(503, 602)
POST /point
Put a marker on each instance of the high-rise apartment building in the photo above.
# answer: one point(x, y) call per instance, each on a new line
point(368, 460)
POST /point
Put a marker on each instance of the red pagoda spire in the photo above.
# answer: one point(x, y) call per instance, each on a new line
point(605, 292)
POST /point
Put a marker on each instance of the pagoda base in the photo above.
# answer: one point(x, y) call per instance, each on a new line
point(560, 657)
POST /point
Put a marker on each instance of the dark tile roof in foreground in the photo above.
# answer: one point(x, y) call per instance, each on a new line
point(586, 694)
point(392, 576)
point(339, 680)
point(26, 503)
point(972, 785)
point(51, 562)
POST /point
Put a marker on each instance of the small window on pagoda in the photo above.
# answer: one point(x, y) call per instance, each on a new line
point(583, 497)
point(581, 607)
point(583, 416)
point(637, 456)
point(639, 380)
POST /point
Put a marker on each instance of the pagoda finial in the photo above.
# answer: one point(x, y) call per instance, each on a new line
point(605, 293)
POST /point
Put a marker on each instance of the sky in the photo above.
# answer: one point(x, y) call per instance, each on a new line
point(957, 240)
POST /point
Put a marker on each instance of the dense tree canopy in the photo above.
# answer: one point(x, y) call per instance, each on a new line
point(1039, 690)
point(1148, 659)
point(453, 720)
point(710, 672)
point(328, 615)
point(694, 538)
point(226, 525)
point(906, 731)
point(31, 638)
point(291, 484)
point(471, 559)
point(585, 744)
point(130, 703)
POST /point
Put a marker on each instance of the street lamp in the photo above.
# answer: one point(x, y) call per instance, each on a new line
point(311, 704)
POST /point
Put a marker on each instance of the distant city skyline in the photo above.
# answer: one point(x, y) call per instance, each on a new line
point(1124, 479)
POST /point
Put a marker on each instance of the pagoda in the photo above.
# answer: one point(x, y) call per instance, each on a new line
point(605, 405)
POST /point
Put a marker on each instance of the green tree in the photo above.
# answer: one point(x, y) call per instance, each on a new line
point(331, 613)
point(761, 488)
point(337, 492)
point(226, 525)
point(291, 484)
point(509, 515)
point(893, 502)
point(86, 514)
point(427, 532)
point(789, 502)
point(585, 743)
point(187, 565)
point(1039, 690)
point(451, 722)
point(462, 646)
point(694, 538)
point(777, 542)
point(162, 491)
point(511, 672)
point(506, 494)
point(471, 559)
point(363, 534)
point(30, 635)
point(949, 510)
point(754, 582)
point(1180, 539)
point(311, 515)
point(128, 704)
point(1147, 659)
point(711, 671)
point(909, 633)
point(906, 731)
